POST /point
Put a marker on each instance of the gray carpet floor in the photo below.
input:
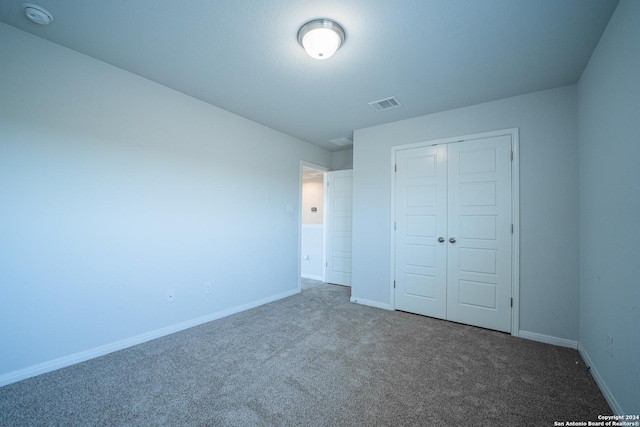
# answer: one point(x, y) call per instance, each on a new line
point(315, 359)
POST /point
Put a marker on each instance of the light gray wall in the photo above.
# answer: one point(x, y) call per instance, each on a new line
point(342, 160)
point(548, 200)
point(114, 189)
point(609, 131)
point(311, 251)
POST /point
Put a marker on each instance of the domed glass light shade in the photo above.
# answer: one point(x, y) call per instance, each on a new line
point(321, 38)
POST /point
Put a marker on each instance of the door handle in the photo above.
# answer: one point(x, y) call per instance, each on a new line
point(440, 239)
point(452, 240)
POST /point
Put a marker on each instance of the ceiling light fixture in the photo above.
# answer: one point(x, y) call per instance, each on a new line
point(37, 14)
point(321, 38)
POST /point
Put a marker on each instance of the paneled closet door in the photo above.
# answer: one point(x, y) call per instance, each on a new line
point(421, 219)
point(479, 233)
point(453, 231)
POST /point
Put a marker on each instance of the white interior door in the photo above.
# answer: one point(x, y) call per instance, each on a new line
point(453, 231)
point(339, 214)
point(421, 218)
point(479, 231)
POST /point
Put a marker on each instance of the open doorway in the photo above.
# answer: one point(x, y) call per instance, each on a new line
point(312, 223)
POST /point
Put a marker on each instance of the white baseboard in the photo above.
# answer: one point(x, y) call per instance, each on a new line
point(608, 396)
point(72, 359)
point(311, 276)
point(548, 339)
point(370, 303)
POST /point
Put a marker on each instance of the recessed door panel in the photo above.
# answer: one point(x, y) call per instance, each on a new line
point(420, 225)
point(421, 256)
point(474, 260)
point(342, 244)
point(343, 184)
point(342, 204)
point(478, 161)
point(421, 166)
point(477, 294)
point(342, 264)
point(477, 193)
point(341, 223)
point(421, 196)
point(419, 285)
point(478, 227)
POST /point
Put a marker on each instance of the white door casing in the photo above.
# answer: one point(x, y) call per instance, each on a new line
point(339, 217)
point(458, 190)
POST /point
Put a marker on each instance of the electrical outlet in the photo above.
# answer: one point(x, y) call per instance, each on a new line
point(610, 345)
point(207, 288)
point(170, 295)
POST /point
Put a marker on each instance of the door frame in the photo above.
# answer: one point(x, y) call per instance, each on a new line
point(515, 212)
point(304, 164)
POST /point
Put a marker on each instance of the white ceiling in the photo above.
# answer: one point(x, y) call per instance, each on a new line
point(243, 55)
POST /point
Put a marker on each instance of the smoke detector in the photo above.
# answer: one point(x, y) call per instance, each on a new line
point(37, 14)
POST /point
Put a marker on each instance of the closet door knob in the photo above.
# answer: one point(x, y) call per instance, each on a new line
point(452, 240)
point(440, 239)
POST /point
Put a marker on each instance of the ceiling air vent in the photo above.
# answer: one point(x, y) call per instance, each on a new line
point(385, 104)
point(342, 142)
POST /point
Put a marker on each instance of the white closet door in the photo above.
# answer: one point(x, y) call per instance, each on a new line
point(421, 213)
point(479, 231)
point(453, 231)
point(339, 214)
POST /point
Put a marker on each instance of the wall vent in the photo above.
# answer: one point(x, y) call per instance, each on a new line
point(385, 104)
point(342, 142)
